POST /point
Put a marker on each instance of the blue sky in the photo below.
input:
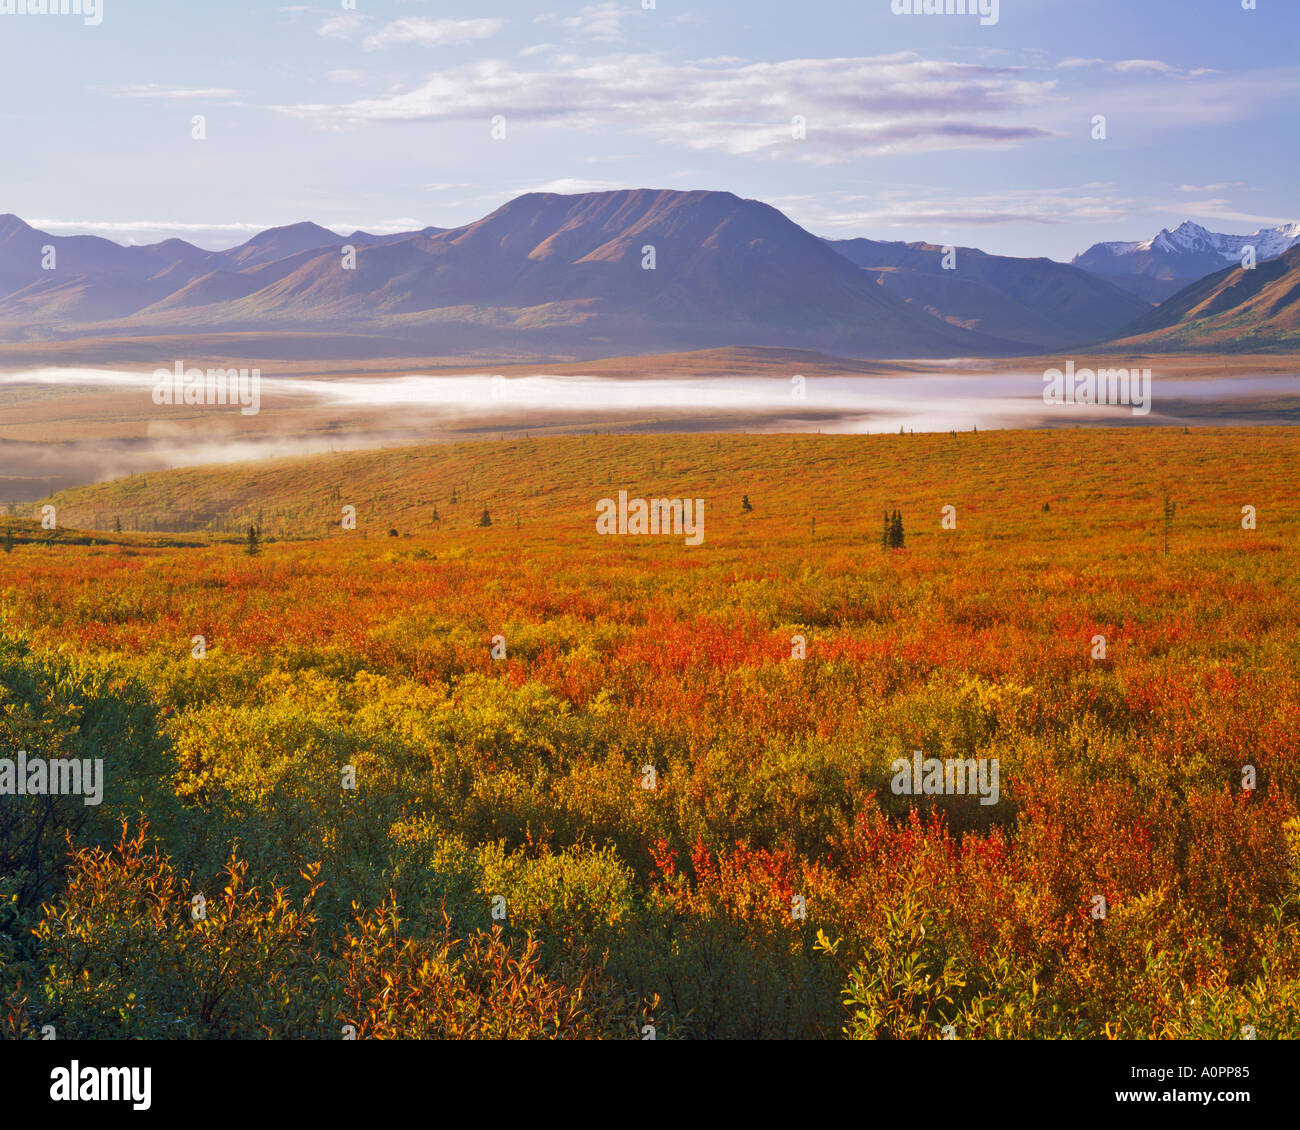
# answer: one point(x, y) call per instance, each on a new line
point(918, 126)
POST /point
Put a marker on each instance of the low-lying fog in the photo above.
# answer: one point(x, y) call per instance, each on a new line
point(311, 415)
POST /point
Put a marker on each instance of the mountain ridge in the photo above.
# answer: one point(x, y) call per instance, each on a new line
point(571, 274)
point(1159, 267)
point(1038, 302)
point(600, 274)
point(1232, 310)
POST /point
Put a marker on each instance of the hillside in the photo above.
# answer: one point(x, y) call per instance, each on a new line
point(556, 275)
point(1234, 310)
point(602, 274)
point(1035, 302)
point(553, 483)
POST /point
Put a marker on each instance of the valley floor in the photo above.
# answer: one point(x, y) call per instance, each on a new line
point(429, 776)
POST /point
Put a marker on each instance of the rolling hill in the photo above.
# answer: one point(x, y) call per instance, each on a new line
point(90, 281)
point(1234, 310)
point(1035, 302)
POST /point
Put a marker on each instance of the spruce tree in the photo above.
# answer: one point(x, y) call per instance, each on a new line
point(896, 531)
point(486, 520)
point(252, 546)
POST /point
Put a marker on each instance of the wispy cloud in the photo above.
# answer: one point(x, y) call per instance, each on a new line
point(935, 211)
point(915, 207)
point(853, 107)
point(215, 235)
point(601, 22)
point(152, 231)
point(344, 25)
point(1224, 211)
point(420, 32)
point(411, 31)
point(157, 90)
point(570, 185)
point(1212, 99)
point(1136, 66)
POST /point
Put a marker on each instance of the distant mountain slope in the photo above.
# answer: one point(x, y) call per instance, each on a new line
point(583, 275)
point(1161, 266)
point(606, 274)
point(1232, 310)
point(94, 281)
point(88, 278)
point(278, 243)
point(1036, 302)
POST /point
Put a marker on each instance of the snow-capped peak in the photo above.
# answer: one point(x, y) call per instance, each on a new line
point(1190, 238)
point(1269, 243)
point(1187, 236)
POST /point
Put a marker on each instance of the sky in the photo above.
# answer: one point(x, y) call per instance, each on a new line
point(379, 114)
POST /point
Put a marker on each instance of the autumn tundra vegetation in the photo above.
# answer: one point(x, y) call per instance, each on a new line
point(505, 777)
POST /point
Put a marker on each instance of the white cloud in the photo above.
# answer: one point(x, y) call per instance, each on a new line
point(853, 106)
point(422, 32)
point(1152, 107)
point(212, 236)
point(1227, 212)
point(342, 26)
point(132, 232)
point(567, 186)
point(378, 227)
point(1126, 66)
point(156, 90)
point(1136, 66)
point(601, 22)
point(933, 208)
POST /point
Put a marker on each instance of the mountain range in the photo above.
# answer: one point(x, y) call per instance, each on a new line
point(1233, 310)
point(1036, 303)
point(632, 271)
point(1162, 265)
